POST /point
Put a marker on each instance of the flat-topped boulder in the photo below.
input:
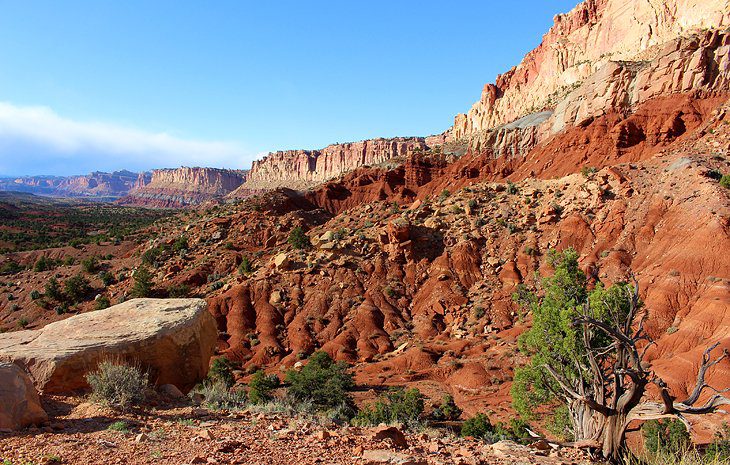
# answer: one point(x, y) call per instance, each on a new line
point(172, 338)
point(20, 405)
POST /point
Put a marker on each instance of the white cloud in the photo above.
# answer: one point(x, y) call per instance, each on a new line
point(34, 134)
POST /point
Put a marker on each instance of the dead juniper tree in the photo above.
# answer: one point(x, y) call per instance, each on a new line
point(586, 350)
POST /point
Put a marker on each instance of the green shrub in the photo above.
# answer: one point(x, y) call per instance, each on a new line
point(298, 239)
point(217, 395)
point(588, 171)
point(719, 448)
point(397, 405)
point(665, 436)
point(53, 290)
point(151, 256)
point(90, 265)
point(77, 288)
point(35, 295)
point(23, 322)
point(107, 278)
point(221, 371)
point(322, 382)
point(512, 188)
point(117, 384)
point(102, 303)
point(43, 264)
point(479, 427)
point(447, 410)
point(515, 430)
point(142, 283)
point(11, 267)
point(261, 386)
point(444, 195)
point(245, 266)
point(119, 427)
point(177, 291)
point(725, 181)
point(180, 244)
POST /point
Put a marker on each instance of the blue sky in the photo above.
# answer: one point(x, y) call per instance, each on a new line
point(103, 85)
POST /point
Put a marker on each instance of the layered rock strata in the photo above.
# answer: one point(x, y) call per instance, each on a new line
point(299, 169)
point(93, 185)
point(595, 35)
point(184, 186)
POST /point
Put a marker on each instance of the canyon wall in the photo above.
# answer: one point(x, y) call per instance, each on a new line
point(299, 169)
point(184, 186)
point(93, 185)
point(599, 40)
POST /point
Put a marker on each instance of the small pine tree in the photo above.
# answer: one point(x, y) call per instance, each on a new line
point(397, 405)
point(298, 239)
point(322, 382)
point(221, 371)
point(90, 265)
point(77, 288)
point(479, 427)
point(53, 290)
point(245, 267)
point(142, 283)
point(447, 410)
point(260, 387)
point(42, 264)
point(102, 303)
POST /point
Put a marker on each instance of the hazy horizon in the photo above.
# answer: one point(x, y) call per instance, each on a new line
point(97, 86)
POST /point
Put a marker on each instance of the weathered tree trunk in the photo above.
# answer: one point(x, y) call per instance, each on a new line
point(613, 439)
point(587, 423)
point(604, 434)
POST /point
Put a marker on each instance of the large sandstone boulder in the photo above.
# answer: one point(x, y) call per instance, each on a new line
point(20, 405)
point(172, 338)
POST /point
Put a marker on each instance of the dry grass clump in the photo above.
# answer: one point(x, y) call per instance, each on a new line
point(117, 384)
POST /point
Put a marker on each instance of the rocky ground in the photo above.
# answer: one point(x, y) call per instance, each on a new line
point(175, 433)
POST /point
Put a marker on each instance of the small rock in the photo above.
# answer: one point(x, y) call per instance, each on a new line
point(171, 390)
point(206, 434)
point(540, 445)
point(382, 456)
point(391, 433)
point(281, 261)
point(141, 437)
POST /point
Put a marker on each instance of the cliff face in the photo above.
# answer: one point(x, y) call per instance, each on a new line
point(93, 185)
point(600, 40)
point(184, 186)
point(298, 169)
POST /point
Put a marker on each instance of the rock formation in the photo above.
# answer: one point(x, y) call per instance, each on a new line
point(173, 339)
point(595, 37)
point(299, 169)
point(181, 187)
point(93, 185)
point(20, 405)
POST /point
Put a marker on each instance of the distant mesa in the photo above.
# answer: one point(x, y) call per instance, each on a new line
point(96, 185)
point(183, 187)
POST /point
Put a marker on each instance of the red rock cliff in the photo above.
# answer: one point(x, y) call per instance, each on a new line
point(303, 168)
point(596, 37)
point(179, 187)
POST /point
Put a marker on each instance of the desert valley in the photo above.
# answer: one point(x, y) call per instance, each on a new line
point(545, 282)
